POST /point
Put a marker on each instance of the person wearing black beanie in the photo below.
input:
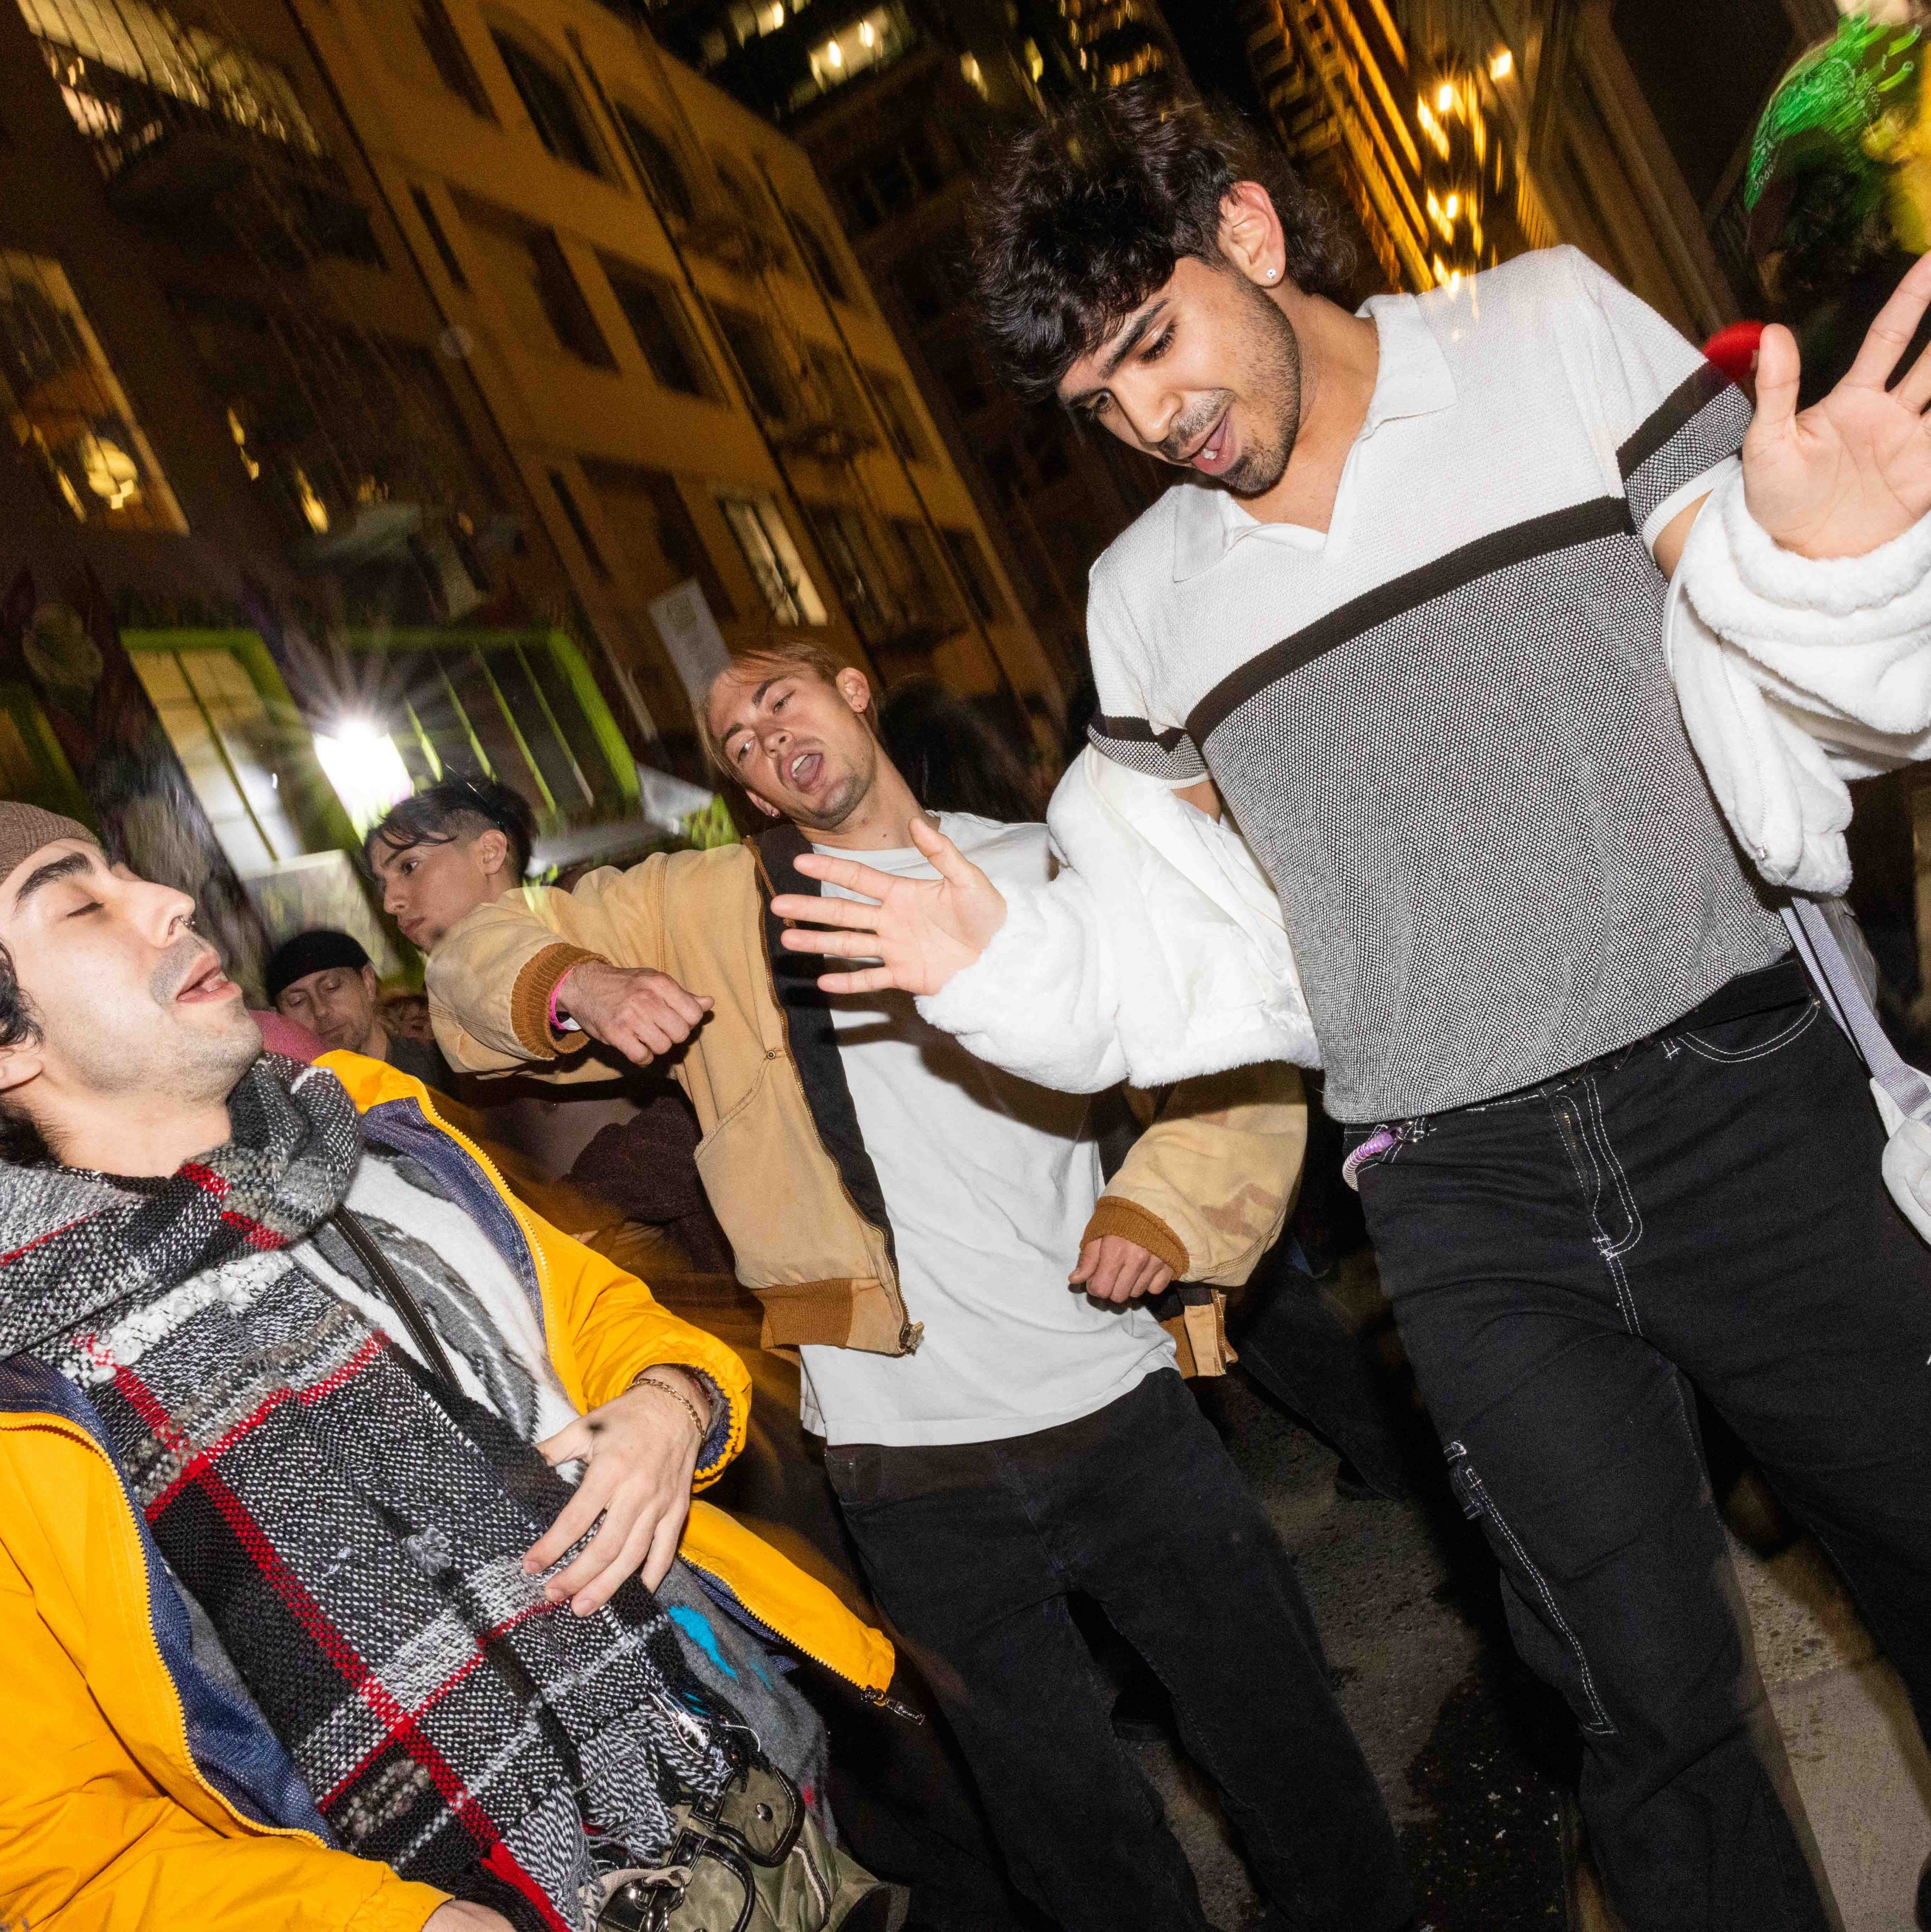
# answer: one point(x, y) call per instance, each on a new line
point(322, 980)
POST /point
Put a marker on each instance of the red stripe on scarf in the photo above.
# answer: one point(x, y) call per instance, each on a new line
point(464, 1669)
point(399, 1726)
point(190, 1472)
point(501, 1860)
point(40, 1240)
point(252, 1231)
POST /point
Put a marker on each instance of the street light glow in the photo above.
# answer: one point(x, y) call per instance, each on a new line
point(365, 768)
point(1502, 66)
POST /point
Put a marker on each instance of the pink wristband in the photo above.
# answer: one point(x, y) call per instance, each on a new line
point(557, 1023)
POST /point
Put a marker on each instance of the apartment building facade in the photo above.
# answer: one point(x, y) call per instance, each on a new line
point(897, 104)
point(366, 429)
point(649, 285)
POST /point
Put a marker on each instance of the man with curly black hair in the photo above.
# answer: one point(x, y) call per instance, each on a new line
point(1408, 615)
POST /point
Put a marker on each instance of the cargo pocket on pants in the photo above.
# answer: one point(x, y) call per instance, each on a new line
point(1573, 1676)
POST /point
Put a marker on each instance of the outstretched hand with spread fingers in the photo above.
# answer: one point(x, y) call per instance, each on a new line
point(1854, 470)
point(919, 932)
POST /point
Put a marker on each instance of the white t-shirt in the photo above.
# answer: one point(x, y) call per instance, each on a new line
point(988, 1183)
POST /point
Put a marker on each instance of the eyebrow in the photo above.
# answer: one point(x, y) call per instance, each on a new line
point(51, 874)
point(1109, 366)
point(757, 699)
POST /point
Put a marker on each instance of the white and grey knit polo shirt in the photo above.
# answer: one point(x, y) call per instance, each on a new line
point(1446, 726)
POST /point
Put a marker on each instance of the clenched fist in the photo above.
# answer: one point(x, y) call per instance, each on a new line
point(639, 1011)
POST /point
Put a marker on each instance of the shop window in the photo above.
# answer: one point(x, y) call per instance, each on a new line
point(658, 319)
point(901, 413)
point(645, 511)
point(454, 66)
point(552, 104)
point(67, 407)
point(663, 173)
point(239, 761)
point(534, 278)
point(767, 380)
point(975, 570)
point(772, 559)
point(519, 707)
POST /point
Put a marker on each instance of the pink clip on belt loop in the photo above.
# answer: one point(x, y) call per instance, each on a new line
point(1383, 1140)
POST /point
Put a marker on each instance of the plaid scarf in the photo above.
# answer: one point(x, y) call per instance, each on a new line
point(355, 1535)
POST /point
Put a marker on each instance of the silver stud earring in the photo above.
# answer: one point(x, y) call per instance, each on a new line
point(1272, 273)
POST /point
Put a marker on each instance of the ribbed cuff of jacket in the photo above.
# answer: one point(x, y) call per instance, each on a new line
point(1116, 1215)
point(530, 1001)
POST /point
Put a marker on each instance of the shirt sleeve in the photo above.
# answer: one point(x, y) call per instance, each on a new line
point(1127, 728)
point(1676, 420)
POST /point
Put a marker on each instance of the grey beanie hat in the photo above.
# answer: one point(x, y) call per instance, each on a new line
point(25, 828)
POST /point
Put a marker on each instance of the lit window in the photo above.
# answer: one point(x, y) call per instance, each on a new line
point(773, 560)
point(95, 47)
point(67, 409)
point(235, 755)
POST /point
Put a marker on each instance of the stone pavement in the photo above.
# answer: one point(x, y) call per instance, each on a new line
point(1476, 1759)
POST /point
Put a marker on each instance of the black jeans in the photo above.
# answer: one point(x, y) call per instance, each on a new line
point(973, 1549)
point(1705, 1206)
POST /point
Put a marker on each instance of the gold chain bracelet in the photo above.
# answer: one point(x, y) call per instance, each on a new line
point(645, 1379)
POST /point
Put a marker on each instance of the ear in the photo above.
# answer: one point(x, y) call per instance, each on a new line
point(764, 805)
point(1251, 237)
point(19, 1064)
point(854, 688)
point(493, 851)
point(372, 986)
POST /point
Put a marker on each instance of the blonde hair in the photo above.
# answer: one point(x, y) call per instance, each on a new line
point(794, 653)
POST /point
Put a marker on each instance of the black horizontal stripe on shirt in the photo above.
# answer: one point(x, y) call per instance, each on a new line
point(1499, 550)
point(1696, 390)
point(1135, 731)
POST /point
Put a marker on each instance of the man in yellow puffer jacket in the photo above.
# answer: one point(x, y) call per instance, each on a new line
point(145, 1784)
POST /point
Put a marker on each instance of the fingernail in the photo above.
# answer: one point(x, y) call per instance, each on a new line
point(553, 1593)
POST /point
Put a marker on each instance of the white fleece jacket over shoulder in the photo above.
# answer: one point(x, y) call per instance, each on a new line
point(1796, 677)
point(1157, 953)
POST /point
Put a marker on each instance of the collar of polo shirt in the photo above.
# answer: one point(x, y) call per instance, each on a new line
point(1411, 379)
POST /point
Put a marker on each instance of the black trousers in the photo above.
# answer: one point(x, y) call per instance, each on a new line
point(973, 1550)
point(1705, 1207)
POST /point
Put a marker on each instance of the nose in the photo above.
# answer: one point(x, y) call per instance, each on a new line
point(1150, 409)
point(162, 911)
point(393, 898)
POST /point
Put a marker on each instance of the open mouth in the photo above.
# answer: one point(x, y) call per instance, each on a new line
point(1212, 453)
point(206, 982)
point(805, 769)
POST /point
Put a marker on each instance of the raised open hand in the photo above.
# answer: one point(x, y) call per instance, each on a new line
point(921, 931)
point(1853, 470)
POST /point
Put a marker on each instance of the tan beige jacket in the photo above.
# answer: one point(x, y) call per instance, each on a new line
point(1207, 1188)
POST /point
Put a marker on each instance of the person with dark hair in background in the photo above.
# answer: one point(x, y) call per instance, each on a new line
point(1411, 616)
point(323, 980)
point(951, 756)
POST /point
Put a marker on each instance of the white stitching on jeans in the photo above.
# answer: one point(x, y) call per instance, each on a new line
point(1611, 1252)
point(1634, 1213)
point(1704, 1051)
point(1602, 1727)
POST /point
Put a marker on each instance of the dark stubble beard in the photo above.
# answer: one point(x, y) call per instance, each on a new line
point(1270, 356)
